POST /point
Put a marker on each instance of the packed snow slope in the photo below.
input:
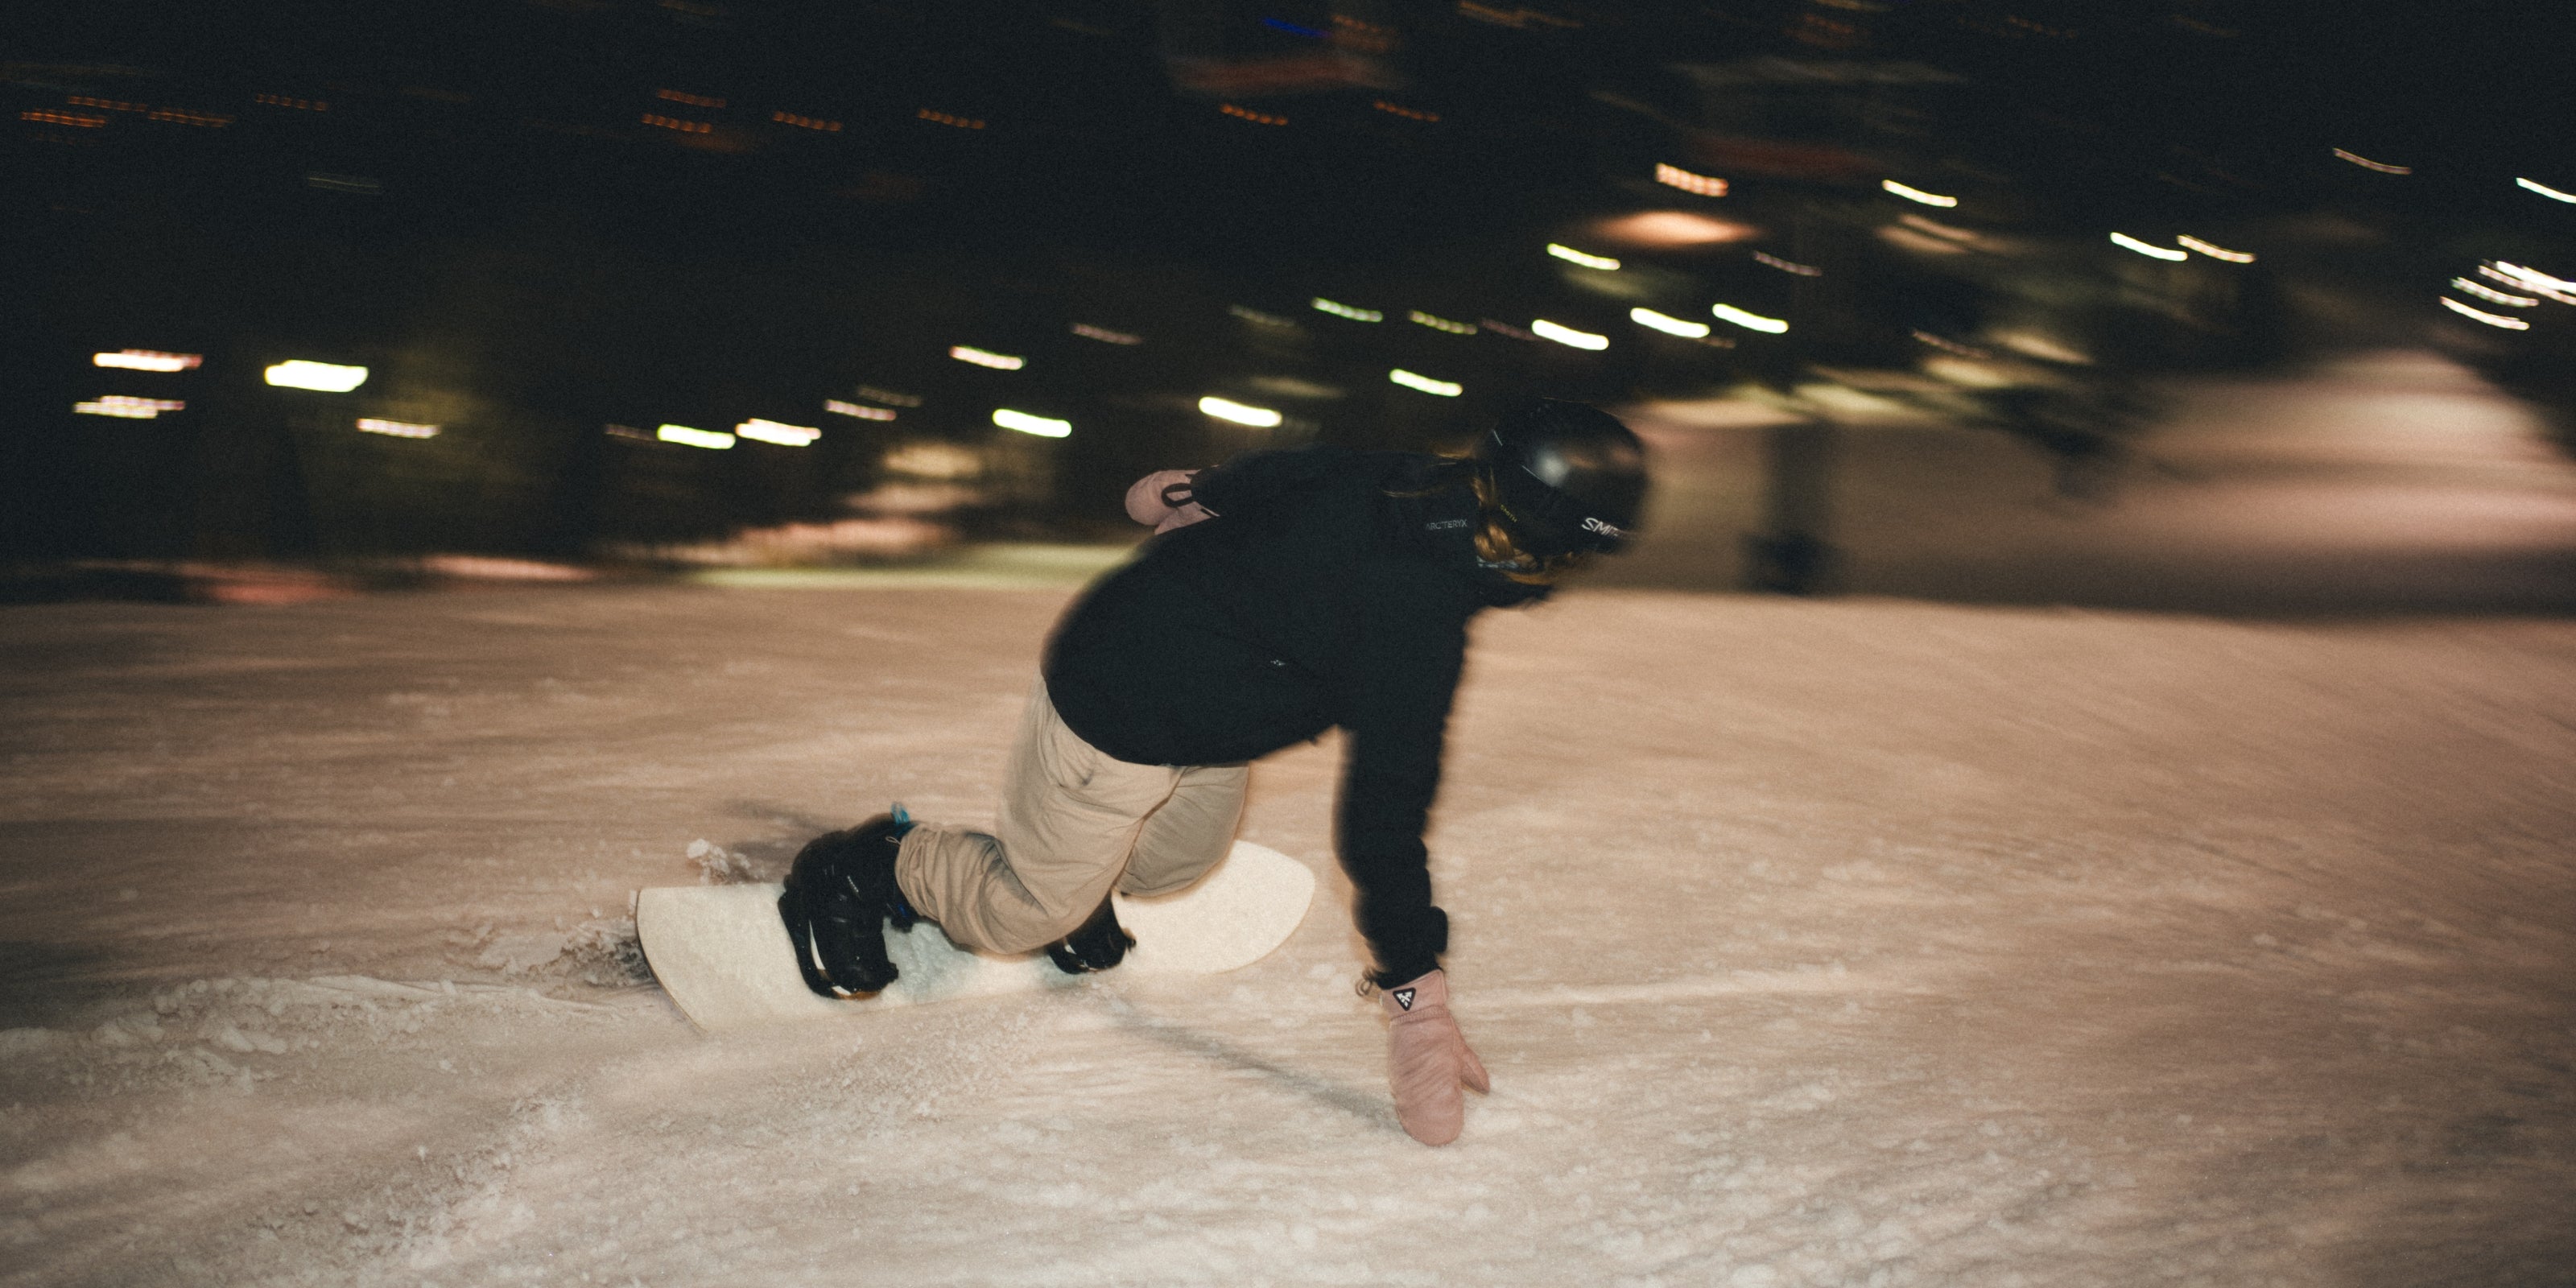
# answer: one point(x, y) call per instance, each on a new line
point(1836, 943)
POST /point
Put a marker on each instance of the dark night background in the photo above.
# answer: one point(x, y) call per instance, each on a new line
point(535, 219)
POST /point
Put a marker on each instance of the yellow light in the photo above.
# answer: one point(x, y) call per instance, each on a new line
point(1677, 177)
point(2214, 252)
point(770, 431)
point(1436, 388)
point(2533, 185)
point(687, 437)
point(2467, 287)
point(1749, 321)
point(840, 408)
point(1352, 312)
point(327, 377)
point(125, 407)
point(1105, 335)
point(1567, 335)
point(1668, 324)
point(1911, 193)
point(986, 358)
point(396, 428)
point(1436, 323)
point(146, 360)
point(2127, 242)
point(2368, 164)
point(1028, 424)
point(2491, 319)
point(1946, 232)
point(1573, 256)
point(1239, 413)
point(1788, 266)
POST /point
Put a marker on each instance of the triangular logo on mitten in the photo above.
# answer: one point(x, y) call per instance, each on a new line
point(1403, 999)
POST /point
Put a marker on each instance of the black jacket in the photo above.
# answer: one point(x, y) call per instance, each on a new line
point(1333, 589)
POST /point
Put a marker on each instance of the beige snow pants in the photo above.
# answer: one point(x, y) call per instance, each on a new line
point(1074, 824)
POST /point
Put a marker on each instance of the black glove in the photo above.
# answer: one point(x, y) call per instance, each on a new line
point(1098, 944)
point(838, 898)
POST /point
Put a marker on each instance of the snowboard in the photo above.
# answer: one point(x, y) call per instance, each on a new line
point(724, 956)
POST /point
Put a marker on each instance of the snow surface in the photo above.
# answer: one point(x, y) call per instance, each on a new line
point(1852, 943)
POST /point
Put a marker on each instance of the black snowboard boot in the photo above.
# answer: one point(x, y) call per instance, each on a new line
point(840, 896)
point(1097, 944)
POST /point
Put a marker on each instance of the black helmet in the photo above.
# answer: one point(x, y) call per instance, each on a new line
point(1570, 477)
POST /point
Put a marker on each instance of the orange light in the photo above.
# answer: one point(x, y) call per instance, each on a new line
point(183, 116)
point(806, 122)
point(111, 104)
point(693, 100)
point(1408, 113)
point(944, 118)
point(1245, 113)
point(299, 104)
point(82, 120)
point(661, 122)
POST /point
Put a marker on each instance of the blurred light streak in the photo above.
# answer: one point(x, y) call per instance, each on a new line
point(2216, 252)
point(986, 357)
point(806, 122)
point(1408, 113)
point(183, 116)
point(944, 118)
point(146, 360)
point(889, 397)
point(344, 183)
point(1945, 232)
point(326, 377)
point(299, 104)
point(2127, 242)
point(1257, 118)
point(1566, 335)
point(2480, 315)
point(2032, 344)
point(2543, 189)
point(1436, 388)
point(2532, 280)
point(81, 120)
point(1340, 310)
point(1029, 424)
point(1293, 29)
point(1437, 323)
point(1951, 346)
point(1573, 256)
point(693, 100)
point(2491, 294)
point(2368, 164)
point(770, 431)
point(126, 407)
point(689, 437)
point(1673, 176)
point(1788, 266)
point(1257, 317)
point(628, 431)
point(1749, 321)
point(111, 104)
point(396, 428)
point(1671, 228)
point(1504, 328)
point(1105, 335)
point(1668, 324)
point(1239, 413)
point(839, 408)
point(1911, 193)
point(661, 122)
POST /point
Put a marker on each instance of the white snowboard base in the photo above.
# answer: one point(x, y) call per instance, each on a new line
point(724, 957)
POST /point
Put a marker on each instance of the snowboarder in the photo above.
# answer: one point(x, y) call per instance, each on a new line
point(1286, 593)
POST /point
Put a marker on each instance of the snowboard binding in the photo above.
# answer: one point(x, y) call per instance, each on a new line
point(839, 896)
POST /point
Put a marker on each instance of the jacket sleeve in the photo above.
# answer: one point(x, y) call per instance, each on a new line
point(1410, 651)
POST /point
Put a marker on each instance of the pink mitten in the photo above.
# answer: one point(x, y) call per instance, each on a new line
point(1428, 1060)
